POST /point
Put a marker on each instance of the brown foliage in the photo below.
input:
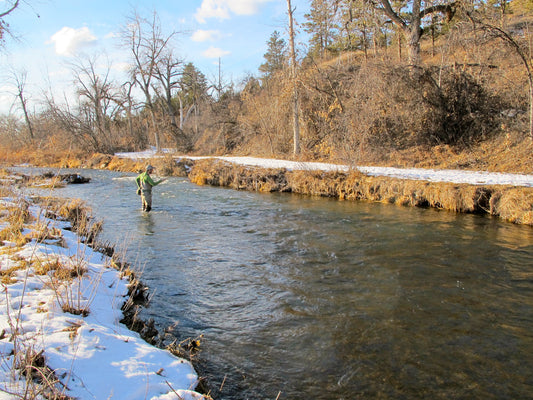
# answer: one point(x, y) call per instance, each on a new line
point(265, 118)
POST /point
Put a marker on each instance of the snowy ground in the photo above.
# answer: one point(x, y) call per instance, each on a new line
point(94, 357)
point(454, 176)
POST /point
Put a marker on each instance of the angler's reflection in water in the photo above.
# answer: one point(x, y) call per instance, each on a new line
point(146, 224)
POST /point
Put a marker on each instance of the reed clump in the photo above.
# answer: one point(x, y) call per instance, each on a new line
point(8, 274)
point(514, 205)
point(13, 218)
point(77, 213)
point(98, 161)
point(124, 165)
point(211, 172)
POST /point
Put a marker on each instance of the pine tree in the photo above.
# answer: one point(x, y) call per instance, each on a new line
point(275, 57)
point(321, 25)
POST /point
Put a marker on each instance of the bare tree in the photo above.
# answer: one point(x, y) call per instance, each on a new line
point(295, 113)
point(167, 72)
point(9, 7)
point(127, 104)
point(20, 81)
point(96, 90)
point(147, 44)
point(89, 120)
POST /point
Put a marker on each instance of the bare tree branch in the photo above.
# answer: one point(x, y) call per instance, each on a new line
point(10, 9)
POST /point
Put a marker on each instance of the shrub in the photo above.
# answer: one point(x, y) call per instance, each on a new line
point(398, 108)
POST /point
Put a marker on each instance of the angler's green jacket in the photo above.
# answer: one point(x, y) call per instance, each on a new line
point(145, 181)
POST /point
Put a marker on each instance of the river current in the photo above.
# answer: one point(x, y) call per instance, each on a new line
point(311, 298)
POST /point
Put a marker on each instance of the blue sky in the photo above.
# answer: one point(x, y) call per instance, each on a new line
point(52, 32)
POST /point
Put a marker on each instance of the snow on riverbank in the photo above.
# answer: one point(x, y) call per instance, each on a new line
point(93, 357)
point(454, 176)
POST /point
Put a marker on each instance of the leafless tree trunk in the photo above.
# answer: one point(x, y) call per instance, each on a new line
point(412, 27)
point(127, 105)
point(147, 45)
point(97, 90)
point(10, 6)
point(20, 81)
point(167, 72)
point(295, 113)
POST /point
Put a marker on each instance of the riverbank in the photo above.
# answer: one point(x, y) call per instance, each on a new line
point(502, 195)
point(506, 196)
point(61, 310)
point(511, 203)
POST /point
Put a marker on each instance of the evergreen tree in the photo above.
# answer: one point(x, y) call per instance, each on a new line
point(355, 25)
point(275, 57)
point(193, 90)
point(322, 25)
point(193, 85)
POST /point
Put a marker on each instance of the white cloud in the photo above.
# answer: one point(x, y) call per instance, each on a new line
point(222, 9)
point(112, 35)
point(245, 7)
point(215, 52)
point(211, 9)
point(68, 41)
point(121, 66)
point(205, 36)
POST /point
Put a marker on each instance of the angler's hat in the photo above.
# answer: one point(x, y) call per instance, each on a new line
point(149, 168)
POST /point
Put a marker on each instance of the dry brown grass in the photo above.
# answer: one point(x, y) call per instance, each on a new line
point(124, 165)
point(14, 217)
point(76, 212)
point(514, 205)
point(169, 166)
point(509, 203)
point(512, 153)
point(7, 275)
point(42, 232)
point(222, 173)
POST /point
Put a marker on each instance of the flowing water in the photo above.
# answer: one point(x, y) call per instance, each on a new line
point(324, 299)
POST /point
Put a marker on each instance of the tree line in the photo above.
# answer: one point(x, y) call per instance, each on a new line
point(374, 75)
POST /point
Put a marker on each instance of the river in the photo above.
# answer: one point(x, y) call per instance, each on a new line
point(311, 298)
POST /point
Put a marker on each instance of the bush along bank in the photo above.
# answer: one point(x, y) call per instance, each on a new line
point(513, 204)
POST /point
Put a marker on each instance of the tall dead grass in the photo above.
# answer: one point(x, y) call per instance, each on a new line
point(77, 212)
point(217, 172)
point(514, 204)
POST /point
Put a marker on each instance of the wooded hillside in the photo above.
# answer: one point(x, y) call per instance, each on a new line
point(443, 83)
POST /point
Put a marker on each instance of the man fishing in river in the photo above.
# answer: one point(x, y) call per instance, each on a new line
point(144, 187)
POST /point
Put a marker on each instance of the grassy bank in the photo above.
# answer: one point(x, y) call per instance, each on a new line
point(514, 204)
